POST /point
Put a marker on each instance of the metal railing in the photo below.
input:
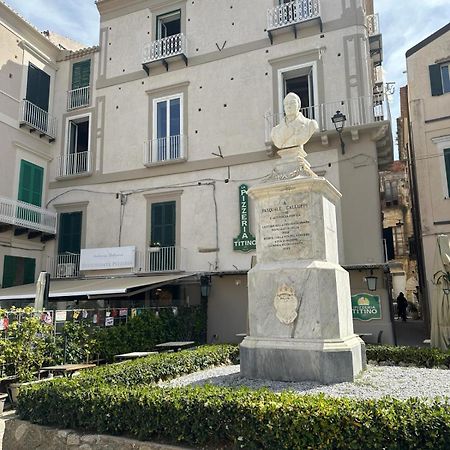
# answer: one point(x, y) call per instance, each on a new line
point(25, 215)
point(165, 48)
point(291, 13)
point(38, 119)
point(358, 111)
point(66, 265)
point(77, 98)
point(73, 164)
point(160, 259)
point(373, 24)
point(164, 149)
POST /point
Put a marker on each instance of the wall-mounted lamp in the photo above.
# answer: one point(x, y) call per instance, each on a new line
point(371, 281)
point(205, 285)
point(339, 122)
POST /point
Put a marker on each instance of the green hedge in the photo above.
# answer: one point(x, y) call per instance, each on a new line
point(161, 366)
point(241, 418)
point(420, 357)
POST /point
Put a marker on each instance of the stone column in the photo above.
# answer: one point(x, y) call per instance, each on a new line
point(300, 317)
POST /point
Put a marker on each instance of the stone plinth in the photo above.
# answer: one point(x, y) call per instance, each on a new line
point(300, 318)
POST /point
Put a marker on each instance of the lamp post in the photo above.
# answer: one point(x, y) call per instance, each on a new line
point(339, 121)
point(205, 288)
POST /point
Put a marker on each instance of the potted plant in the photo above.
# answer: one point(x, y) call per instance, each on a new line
point(155, 247)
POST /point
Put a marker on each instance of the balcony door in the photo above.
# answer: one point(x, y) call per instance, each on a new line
point(31, 181)
point(167, 128)
point(300, 82)
point(38, 87)
point(81, 78)
point(168, 24)
point(77, 158)
point(162, 235)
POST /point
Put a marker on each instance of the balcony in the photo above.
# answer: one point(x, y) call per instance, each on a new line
point(38, 120)
point(66, 265)
point(74, 164)
point(78, 98)
point(171, 148)
point(375, 38)
point(160, 259)
point(160, 51)
point(27, 218)
point(359, 111)
point(291, 15)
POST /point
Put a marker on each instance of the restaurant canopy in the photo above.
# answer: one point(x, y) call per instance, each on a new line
point(93, 287)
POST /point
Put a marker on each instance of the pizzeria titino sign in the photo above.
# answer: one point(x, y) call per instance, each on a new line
point(366, 307)
point(245, 242)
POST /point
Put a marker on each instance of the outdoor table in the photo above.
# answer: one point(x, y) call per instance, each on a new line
point(175, 346)
point(68, 369)
point(133, 355)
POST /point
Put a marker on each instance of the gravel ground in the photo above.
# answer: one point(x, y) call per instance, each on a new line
point(375, 382)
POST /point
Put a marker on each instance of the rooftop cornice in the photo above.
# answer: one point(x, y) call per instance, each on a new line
point(108, 6)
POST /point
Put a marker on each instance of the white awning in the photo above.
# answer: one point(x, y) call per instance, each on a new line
point(90, 287)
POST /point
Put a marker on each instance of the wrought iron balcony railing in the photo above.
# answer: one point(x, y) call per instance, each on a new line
point(292, 13)
point(74, 164)
point(169, 148)
point(373, 24)
point(38, 119)
point(65, 265)
point(25, 215)
point(358, 111)
point(78, 98)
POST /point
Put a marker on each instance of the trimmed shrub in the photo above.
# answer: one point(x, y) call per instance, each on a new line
point(420, 357)
point(240, 418)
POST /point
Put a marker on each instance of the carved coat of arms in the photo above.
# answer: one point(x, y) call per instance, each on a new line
point(286, 304)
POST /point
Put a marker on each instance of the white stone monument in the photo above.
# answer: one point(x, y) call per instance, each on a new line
point(300, 316)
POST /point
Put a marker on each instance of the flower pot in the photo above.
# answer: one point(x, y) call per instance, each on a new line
point(13, 389)
point(3, 398)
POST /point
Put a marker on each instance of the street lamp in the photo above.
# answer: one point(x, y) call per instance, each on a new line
point(205, 285)
point(339, 121)
point(371, 281)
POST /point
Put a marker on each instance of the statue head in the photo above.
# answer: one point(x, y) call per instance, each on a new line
point(292, 105)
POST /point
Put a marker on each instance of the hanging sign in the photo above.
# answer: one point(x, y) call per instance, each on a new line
point(61, 316)
point(245, 242)
point(366, 307)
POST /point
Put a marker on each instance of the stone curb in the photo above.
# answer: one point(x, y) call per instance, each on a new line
point(22, 435)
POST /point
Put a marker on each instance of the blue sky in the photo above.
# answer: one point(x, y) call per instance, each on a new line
point(404, 23)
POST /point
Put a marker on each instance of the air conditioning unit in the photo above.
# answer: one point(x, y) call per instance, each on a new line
point(66, 270)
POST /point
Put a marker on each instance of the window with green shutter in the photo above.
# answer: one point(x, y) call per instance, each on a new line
point(30, 183)
point(447, 168)
point(38, 87)
point(69, 239)
point(18, 271)
point(163, 224)
point(81, 74)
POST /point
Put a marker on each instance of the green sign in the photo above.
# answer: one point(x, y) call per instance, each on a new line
point(245, 242)
point(366, 307)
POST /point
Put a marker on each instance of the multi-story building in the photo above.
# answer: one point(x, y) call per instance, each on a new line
point(28, 130)
point(168, 123)
point(428, 67)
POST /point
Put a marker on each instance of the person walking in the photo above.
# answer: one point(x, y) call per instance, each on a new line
point(402, 304)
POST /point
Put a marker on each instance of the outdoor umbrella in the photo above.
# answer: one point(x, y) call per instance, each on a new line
point(440, 299)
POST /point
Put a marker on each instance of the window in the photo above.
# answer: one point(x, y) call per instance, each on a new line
point(168, 24)
point(391, 192)
point(300, 81)
point(77, 158)
point(447, 168)
point(81, 74)
point(38, 87)
point(18, 271)
point(30, 183)
point(162, 236)
point(167, 128)
point(439, 78)
point(69, 238)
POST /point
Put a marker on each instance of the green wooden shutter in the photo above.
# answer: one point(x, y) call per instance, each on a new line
point(9, 271)
point(447, 168)
point(38, 87)
point(163, 223)
point(69, 239)
point(81, 74)
point(30, 183)
point(29, 270)
point(435, 79)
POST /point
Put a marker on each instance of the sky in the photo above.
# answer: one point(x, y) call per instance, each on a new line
point(404, 23)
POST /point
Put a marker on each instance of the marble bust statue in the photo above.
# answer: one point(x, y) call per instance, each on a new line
point(295, 129)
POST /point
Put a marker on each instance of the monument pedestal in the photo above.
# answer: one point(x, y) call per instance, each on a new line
point(300, 318)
